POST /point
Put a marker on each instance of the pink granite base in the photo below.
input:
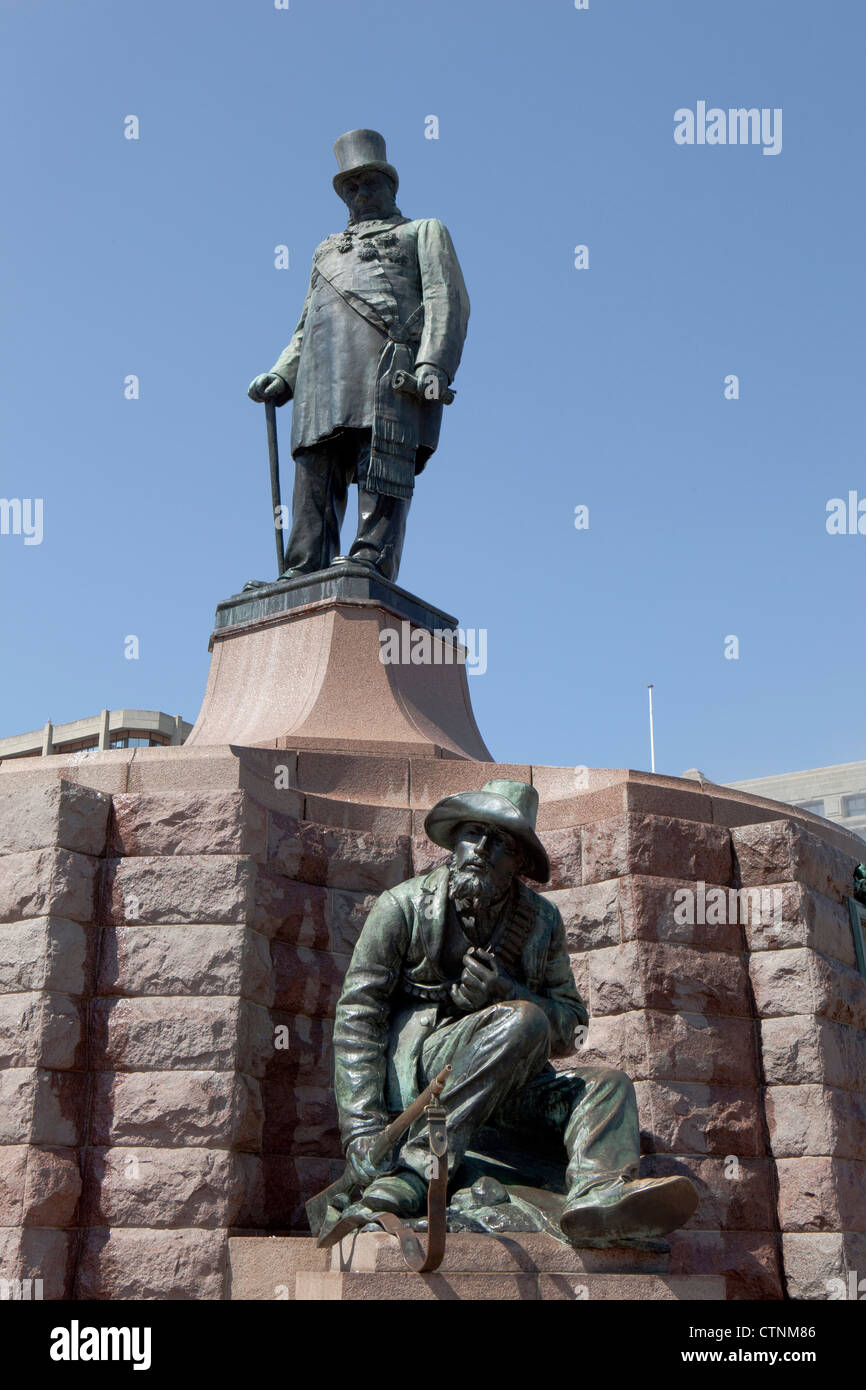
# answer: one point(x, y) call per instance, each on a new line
point(175, 924)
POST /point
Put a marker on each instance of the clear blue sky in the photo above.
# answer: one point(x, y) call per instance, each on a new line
point(601, 387)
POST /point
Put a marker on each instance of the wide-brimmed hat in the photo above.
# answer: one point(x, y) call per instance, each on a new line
point(510, 806)
point(358, 150)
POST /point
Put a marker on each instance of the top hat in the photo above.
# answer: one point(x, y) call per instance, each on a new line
point(358, 150)
point(509, 806)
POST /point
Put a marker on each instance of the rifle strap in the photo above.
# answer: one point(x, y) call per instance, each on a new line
point(419, 1259)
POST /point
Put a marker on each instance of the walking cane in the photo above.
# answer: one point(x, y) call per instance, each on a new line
point(274, 457)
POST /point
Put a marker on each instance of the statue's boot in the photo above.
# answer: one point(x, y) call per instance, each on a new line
point(639, 1208)
point(404, 1193)
point(364, 564)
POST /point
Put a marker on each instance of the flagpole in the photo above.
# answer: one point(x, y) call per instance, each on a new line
point(652, 732)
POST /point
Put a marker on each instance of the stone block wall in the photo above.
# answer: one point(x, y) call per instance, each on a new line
point(175, 926)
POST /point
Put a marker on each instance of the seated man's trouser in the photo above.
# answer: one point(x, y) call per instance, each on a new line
point(323, 473)
point(501, 1077)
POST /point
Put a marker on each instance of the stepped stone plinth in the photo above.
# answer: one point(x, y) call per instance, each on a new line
point(476, 1267)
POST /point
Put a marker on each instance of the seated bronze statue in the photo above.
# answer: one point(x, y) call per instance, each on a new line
point(466, 965)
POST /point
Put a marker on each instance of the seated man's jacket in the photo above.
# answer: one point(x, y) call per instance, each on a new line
point(396, 992)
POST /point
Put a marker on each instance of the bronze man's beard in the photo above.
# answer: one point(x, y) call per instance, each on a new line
point(472, 891)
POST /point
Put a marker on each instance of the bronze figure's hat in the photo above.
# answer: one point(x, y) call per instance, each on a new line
point(510, 806)
point(362, 149)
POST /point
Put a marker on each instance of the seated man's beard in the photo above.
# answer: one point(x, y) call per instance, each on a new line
point(472, 891)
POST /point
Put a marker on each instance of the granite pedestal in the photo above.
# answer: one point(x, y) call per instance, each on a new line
point(302, 664)
point(175, 924)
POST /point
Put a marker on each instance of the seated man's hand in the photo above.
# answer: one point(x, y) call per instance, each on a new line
point(269, 387)
point(358, 1155)
point(483, 981)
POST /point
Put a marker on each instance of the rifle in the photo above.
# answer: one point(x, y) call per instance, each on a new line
point(331, 1217)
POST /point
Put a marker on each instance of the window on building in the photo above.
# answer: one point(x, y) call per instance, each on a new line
point(854, 805)
point(134, 741)
point(816, 807)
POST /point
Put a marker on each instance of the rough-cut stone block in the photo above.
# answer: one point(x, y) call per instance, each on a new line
point(300, 1120)
point(822, 1194)
point(182, 823)
point(804, 918)
point(290, 1183)
point(41, 1029)
point(565, 852)
point(828, 1266)
point(177, 1109)
point(307, 982)
point(303, 1052)
point(656, 975)
point(52, 1186)
point(52, 815)
point(187, 959)
point(653, 1045)
point(335, 858)
point(817, 1120)
point(37, 1261)
point(40, 1106)
point(801, 1048)
point(784, 851)
point(38, 1186)
point(290, 910)
point(47, 882)
point(134, 1265)
point(660, 845)
point(46, 953)
point(654, 909)
point(206, 1034)
point(345, 915)
point(152, 1188)
point(590, 914)
point(735, 1193)
point(185, 888)
point(13, 1175)
point(749, 1260)
point(799, 981)
point(688, 1118)
point(426, 855)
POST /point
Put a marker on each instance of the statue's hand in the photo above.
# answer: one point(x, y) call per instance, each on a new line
point(483, 980)
point(358, 1155)
point(431, 381)
point(269, 387)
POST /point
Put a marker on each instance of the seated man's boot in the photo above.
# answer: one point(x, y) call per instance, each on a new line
point(404, 1193)
point(642, 1208)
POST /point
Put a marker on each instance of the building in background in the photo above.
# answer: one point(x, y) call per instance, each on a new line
point(112, 728)
point(837, 793)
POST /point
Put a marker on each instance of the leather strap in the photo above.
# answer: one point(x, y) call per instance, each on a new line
point(419, 1259)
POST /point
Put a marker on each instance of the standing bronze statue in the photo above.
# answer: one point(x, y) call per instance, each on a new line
point(466, 966)
point(368, 368)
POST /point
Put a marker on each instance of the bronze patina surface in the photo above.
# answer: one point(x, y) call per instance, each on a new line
point(466, 966)
point(368, 367)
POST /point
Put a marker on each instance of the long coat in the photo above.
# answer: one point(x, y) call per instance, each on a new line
point(395, 273)
point(411, 944)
